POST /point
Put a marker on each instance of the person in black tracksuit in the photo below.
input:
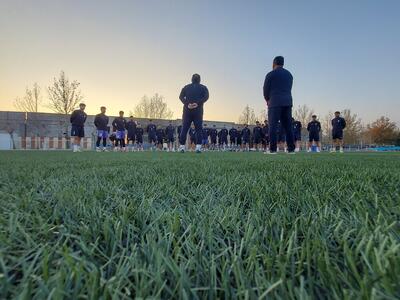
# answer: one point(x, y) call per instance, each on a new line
point(239, 138)
point(119, 124)
point(278, 95)
point(314, 128)
point(139, 136)
point(246, 137)
point(338, 124)
point(223, 138)
point(78, 119)
point(257, 134)
point(170, 135)
point(233, 137)
point(152, 133)
point(205, 133)
point(296, 127)
point(131, 128)
point(193, 97)
point(160, 137)
point(101, 123)
point(213, 137)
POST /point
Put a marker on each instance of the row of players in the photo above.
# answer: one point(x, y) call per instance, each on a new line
point(239, 138)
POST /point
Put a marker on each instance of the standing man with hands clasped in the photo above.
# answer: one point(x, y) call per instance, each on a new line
point(278, 95)
point(193, 96)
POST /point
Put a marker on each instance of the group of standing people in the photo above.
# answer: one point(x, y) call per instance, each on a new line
point(280, 128)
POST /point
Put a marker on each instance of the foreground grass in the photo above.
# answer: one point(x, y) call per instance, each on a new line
point(232, 225)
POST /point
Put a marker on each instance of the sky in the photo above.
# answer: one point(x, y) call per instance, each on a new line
point(342, 54)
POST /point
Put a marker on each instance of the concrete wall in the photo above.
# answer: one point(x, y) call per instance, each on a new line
point(22, 125)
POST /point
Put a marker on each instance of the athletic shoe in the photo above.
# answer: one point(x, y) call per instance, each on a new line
point(272, 153)
point(318, 151)
point(291, 152)
point(98, 149)
point(341, 150)
point(182, 148)
point(198, 148)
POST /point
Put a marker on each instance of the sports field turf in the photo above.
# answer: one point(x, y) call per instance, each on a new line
point(214, 225)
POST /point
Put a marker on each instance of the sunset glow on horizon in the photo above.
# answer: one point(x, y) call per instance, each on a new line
point(120, 51)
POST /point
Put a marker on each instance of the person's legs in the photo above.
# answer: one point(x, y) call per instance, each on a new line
point(198, 125)
point(76, 143)
point(186, 122)
point(273, 118)
point(286, 120)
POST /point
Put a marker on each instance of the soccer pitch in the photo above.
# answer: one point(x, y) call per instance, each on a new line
point(214, 225)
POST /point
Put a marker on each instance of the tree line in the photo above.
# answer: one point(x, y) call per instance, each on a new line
point(64, 95)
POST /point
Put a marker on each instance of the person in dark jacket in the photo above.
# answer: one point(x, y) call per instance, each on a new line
point(257, 134)
point(78, 119)
point(160, 137)
point(314, 128)
point(205, 133)
point(170, 135)
point(139, 136)
point(239, 138)
point(223, 138)
point(265, 137)
point(131, 136)
point(101, 123)
point(278, 95)
point(338, 124)
point(152, 134)
point(213, 137)
point(232, 138)
point(119, 124)
point(246, 137)
point(193, 97)
point(296, 127)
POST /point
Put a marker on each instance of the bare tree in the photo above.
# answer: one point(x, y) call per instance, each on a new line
point(303, 114)
point(154, 108)
point(64, 95)
point(31, 101)
point(353, 127)
point(326, 124)
point(248, 116)
point(263, 115)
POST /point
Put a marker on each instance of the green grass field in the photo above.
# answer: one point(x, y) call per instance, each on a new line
point(215, 225)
